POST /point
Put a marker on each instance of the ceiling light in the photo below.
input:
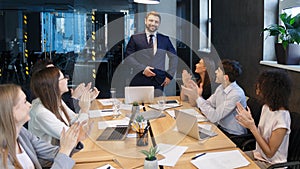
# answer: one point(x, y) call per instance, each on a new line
point(147, 1)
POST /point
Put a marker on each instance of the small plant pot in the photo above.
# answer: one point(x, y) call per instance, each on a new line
point(136, 110)
point(290, 56)
point(150, 164)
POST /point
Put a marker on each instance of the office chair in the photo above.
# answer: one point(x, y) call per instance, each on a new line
point(294, 145)
point(245, 142)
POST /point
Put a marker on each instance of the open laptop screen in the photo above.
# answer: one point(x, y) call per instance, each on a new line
point(141, 94)
point(188, 125)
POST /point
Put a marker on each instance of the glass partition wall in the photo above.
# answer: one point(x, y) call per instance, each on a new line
point(64, 32)
point(68, 37)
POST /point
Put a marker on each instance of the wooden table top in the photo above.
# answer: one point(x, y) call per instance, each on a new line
point(127, 154)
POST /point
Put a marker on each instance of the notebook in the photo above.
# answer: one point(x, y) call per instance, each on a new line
point(141, 94)
point(187, 124)
point(116, 133)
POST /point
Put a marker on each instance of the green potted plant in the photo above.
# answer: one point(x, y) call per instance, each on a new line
point(135, 108)
point(139, 118)
point(288, 51)
point(140, 125)
point(150, 160)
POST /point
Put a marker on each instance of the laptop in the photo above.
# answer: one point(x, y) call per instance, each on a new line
point(187, 124)
point(141, 94)
point(116, 133)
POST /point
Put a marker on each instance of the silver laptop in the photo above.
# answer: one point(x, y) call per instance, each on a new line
point(141, 94)
point(187, 124)
point(116, 133)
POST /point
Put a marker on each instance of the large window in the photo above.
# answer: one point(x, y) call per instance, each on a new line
point(205, 25)
point(289, 6)
point(63, 32)
point(271, 13)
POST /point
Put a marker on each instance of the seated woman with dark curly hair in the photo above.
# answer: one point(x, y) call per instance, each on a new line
point(272, 134)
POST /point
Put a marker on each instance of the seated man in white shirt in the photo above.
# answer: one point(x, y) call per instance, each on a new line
point(220, 107)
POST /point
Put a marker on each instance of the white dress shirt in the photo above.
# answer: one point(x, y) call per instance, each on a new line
point(220, 107)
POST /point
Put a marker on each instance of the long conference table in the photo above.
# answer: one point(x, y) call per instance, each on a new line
point(125, 154)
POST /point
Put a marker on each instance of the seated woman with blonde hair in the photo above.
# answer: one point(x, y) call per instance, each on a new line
point(19, 147)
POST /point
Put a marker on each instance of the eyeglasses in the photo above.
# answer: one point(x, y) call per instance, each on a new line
point(67, 77)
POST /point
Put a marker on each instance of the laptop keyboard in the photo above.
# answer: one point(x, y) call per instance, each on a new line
point(118, 133)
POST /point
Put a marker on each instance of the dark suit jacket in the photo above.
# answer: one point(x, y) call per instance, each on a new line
point(138, 56)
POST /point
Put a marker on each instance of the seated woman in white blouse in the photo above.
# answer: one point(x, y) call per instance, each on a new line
point(20, 148)
point(272, 134)
point(49, 114)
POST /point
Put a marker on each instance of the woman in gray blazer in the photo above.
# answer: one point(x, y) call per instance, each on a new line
point(21, 149)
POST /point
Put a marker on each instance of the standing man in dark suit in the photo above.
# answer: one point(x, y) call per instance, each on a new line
point(146, 53)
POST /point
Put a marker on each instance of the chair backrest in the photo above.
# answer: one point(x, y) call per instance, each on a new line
point(255, 107)
point(294, 142)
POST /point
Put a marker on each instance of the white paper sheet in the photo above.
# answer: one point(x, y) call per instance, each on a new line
point(100, 113)
point(224, 160)
point(171, 153)
point(128, 107)
point(106, 102)
point(171, 113)
point(112, 123)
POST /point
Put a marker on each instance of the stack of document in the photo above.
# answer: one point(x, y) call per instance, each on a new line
point(224, 160)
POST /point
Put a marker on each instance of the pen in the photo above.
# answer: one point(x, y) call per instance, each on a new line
point(198, 156)
point(134, 126)
point(107, 110)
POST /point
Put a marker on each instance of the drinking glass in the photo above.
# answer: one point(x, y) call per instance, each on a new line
point(161, 103)
point(113, 93)
point(115, 102)
point(116, 108)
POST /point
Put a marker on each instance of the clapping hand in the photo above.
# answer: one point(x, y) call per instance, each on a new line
point(69, 139)
point(244, 116)
point(85, 130)
point(85, 102)
point(80, 90)
point(186, 77)
point(191, 91)
point(195, 92)
point(94, 93)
